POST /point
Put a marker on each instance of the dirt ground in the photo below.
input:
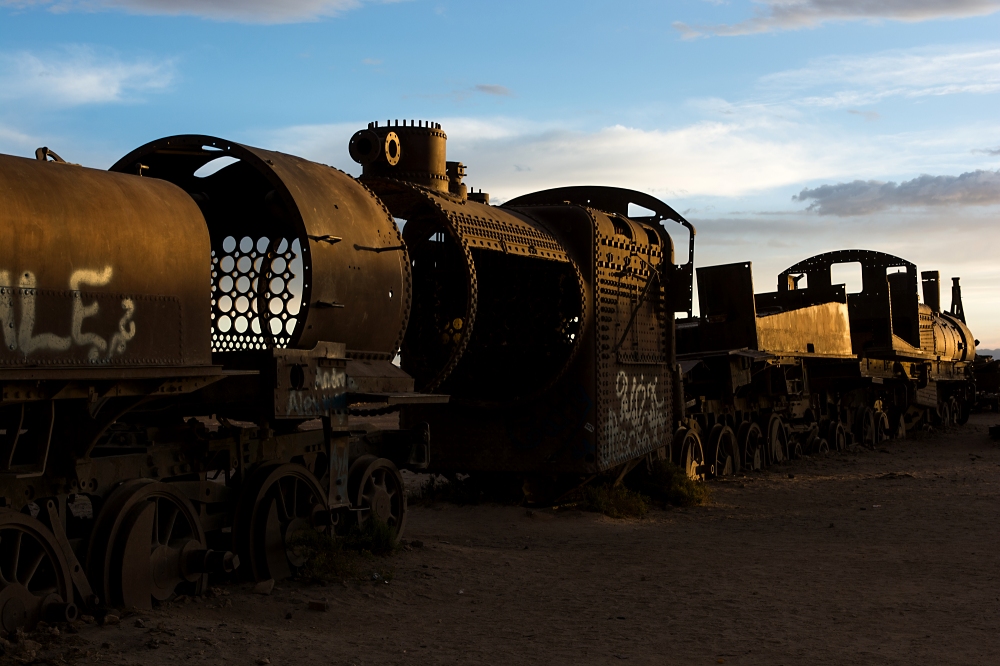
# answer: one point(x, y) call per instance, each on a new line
point(870, 557)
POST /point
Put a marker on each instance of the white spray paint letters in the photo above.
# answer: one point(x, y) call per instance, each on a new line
point(23, 338)
point(640, 421)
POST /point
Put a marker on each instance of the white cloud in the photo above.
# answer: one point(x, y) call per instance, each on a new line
point(78, 75)
point(860, 197)
point(248, 11)
point(777, 15)
point(513, 156)
point(15, 142)
point(756, 151)
point(912, 73)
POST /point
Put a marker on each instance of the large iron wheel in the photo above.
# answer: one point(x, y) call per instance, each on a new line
point(277, 502)
point(777, 440)
point(692, 455)
point(883, 430)
point(836, 436)
point(376, 490)
point(722, 451)
point(752, 451)
point(865, 431)
point(35, 581)
point(147, 544)
point(963, 411)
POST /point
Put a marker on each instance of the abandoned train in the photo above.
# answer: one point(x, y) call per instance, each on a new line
point(195, 341)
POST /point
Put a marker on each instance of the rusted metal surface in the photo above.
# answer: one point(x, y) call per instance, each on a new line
point(302, 253)
point(886, 316)
point(549, 319)
point(99, 272)
point(830, 366)
point(733, 317)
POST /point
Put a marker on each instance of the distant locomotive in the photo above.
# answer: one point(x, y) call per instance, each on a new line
point(805, 369)
point(190, 339)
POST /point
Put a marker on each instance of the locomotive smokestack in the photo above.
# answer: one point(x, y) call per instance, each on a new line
point(413, 152)
point(932, 289)
point(956, 300)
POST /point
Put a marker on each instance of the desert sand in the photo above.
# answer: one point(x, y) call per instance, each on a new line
point(862, 557)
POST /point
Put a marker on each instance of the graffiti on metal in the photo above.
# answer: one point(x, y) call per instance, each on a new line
point(640, 423)
point(21, 335)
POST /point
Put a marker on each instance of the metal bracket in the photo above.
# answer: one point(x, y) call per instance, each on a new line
point(390, 248)
point(332, 240)
point(76, 571)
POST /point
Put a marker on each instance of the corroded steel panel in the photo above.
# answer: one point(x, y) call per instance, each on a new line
point(99, 269)
point(268, 211)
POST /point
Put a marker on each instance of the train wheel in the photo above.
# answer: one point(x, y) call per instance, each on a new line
point(963, 413)
point(953, 405)
point(794, 448)
point(777, 440)
point(864, 427)
point(278, 502)
point(723, 453)
point(692, 456)
point(35, 581)
point(882, 429)
point(752, 452)
point(376, 490)
point(900, 431)
point(147, 544)
point(836, 436)
point(944, 414)
point(821, 446)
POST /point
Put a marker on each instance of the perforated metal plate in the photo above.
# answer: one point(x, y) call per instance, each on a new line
point(236, 292)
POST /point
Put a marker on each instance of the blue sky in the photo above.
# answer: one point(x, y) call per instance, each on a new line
point(781, 128)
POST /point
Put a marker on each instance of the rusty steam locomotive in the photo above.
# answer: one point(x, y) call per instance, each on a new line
point(194, 340)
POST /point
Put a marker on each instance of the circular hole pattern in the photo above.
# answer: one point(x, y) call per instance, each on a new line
point(236, 269)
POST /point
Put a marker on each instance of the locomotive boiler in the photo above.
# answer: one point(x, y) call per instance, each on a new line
point(183, 350)
point(549, 320)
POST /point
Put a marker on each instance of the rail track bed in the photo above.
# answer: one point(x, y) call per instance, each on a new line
point(885, 556)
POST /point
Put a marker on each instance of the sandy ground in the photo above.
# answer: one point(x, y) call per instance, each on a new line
point(884, 557)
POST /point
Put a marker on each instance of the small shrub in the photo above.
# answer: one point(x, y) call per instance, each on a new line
point(471, 490)
point(324, 555)
point(615, 501)
point(330, 557)
point(667, 483)
point(375, 537)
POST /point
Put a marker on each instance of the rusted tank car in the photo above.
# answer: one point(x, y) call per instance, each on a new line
point(258, 298)
point(549, 320)
point(811, 367)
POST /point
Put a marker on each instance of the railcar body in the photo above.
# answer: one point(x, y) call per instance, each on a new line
point(183, 349)
point(804, 369)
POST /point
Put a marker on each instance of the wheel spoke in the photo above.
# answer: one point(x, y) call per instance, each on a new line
point(34, 568)
point(16, 557)
point(170, 525)
point(283, 514)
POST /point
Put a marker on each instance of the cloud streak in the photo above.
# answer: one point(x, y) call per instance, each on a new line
point(780, 15)
point(79, 75)
point(862, 197)
point(245, 11)
point(512, 156)
point(490, 89)
point(912, 73)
